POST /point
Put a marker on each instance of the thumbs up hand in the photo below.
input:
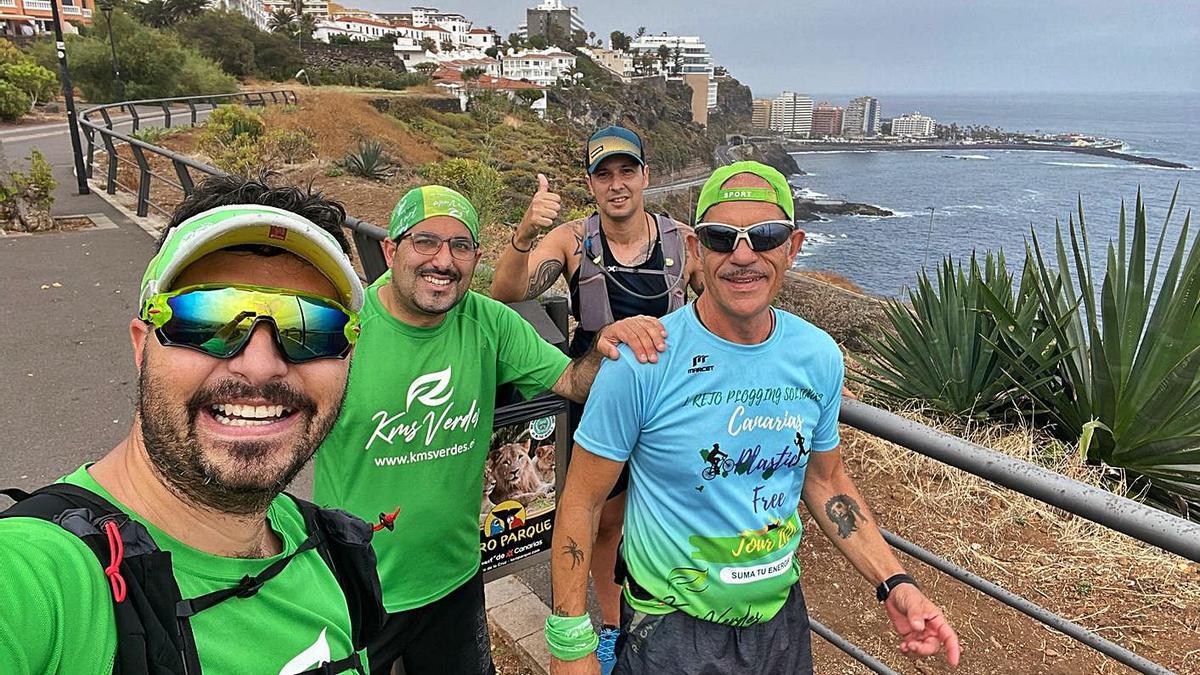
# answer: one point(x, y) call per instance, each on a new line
point(542, 212)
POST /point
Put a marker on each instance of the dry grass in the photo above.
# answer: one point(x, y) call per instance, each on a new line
point(337, 120)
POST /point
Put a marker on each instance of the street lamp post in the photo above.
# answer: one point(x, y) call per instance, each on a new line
point(106, 6)
point(64, 75)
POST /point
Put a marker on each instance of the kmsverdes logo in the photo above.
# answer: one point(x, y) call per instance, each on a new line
point(428, 408)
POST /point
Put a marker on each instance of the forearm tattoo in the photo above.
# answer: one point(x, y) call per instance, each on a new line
point(845, 514)
point(543, 277)
point(572, 549)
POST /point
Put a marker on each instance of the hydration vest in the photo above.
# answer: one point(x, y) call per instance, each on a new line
point(594, 310)
point(154, 633)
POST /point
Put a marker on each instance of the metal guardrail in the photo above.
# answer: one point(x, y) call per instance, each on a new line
point(1139, 521)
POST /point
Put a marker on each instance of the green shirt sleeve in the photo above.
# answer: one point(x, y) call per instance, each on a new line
point(55, 605)
point(525, 359)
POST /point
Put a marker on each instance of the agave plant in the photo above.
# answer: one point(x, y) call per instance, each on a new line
point(368, 161)
point(940, 350)
point(1126, 360)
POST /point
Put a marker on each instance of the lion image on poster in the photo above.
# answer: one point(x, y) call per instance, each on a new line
point(517, 471)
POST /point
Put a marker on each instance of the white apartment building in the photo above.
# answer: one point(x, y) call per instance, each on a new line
point(791, 114)
point(544, 67)
point(689, 55)
point(360, 28)
point(914, 124)
point(254, 10)
point(481, 38)
point(317, 8)
point(488, 65)
point(410, 52)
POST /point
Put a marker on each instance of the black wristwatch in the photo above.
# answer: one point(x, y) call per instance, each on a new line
point(882, 591)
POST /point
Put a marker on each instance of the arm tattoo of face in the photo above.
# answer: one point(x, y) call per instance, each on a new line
point(844, 513)
point(572, 549)
point(543, 278)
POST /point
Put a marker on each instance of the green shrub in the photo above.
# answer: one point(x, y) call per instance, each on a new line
point(153, 135)
point(242, 157)
point(36, 187)
point(478, 182)
point(333, 171)
point(289, 146)
point(203, 76)
point(368, 161)
point(378, 77)
point(13, 102)
point(227, 122)
point(10, 54)
point(38, 83)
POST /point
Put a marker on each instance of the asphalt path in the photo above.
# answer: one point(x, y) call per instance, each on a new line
point(66, 362)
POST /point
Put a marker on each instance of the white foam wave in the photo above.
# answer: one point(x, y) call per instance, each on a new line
point(808, 193)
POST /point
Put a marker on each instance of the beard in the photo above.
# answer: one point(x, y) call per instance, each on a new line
point(251, 475)
point(431, 304)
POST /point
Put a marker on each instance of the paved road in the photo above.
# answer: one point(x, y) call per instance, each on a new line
point(67, 367)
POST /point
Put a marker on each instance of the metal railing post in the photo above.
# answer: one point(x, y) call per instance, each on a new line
point(110, 180)
point(185, 178)
point(166, 114)
point(192, 107)
point(143, 188)
point(137, 120)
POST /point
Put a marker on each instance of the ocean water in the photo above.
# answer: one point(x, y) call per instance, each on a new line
point(990, 200)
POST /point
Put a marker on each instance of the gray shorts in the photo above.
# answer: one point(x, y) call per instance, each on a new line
point(678, 644)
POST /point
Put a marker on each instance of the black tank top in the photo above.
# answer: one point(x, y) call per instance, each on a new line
point(623, 304)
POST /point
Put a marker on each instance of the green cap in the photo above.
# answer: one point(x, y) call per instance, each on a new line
point(242, 224)
point(429, 201)
point(780, 193)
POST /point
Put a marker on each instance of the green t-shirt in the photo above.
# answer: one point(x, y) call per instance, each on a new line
point(56, 612)
point(414, 433)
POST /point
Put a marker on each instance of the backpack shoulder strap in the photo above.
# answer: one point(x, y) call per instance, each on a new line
point(594, 310)
point(674, 260)
point(149, 639)
point(345, 545)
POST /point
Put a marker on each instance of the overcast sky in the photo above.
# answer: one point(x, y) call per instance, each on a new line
point(913, 46)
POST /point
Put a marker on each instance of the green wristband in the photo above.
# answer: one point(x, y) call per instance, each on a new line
point(570, 638)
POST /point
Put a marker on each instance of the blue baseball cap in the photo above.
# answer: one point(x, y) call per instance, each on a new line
point(611, 141)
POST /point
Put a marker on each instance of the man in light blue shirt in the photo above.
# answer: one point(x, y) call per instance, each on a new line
point(724, 436)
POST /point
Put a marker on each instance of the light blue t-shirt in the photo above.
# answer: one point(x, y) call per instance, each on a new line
point(717, 436)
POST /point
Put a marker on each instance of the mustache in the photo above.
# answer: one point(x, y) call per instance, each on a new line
point(743, 273)
point(278, 393)
point(451, 272)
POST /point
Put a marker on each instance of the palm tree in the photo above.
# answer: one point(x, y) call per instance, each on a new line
point(306, 25)
point(282, 21)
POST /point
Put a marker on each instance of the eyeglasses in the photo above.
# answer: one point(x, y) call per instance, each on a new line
point(760, 237)
point(218, 319)
point(426, 243)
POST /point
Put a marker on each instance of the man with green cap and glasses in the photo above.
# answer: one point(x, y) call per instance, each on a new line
point(410, 445)
point(725, 435)
point(176, 551)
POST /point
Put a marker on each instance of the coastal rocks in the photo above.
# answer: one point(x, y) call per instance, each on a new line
point(771, 154)
point(808, 211)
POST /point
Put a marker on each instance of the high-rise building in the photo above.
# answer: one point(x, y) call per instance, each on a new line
point(826, 120)
point(761, 117)
point(684, 55)
point(914, 124)
point(792, 114)
point(861, 118)
point(552, 20)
